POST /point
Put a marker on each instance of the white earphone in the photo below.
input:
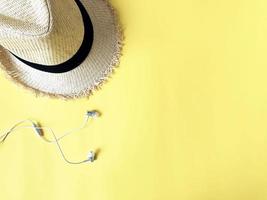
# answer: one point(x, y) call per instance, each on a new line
point(39, 130)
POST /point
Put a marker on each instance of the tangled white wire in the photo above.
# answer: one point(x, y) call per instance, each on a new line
point(39, 130)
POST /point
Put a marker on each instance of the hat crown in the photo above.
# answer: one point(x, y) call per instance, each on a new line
point(47, 32)
point(24, 17)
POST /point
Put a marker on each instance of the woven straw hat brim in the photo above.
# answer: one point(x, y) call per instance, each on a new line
point(89, 76)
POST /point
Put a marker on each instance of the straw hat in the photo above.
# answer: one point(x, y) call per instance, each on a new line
point(61, 48)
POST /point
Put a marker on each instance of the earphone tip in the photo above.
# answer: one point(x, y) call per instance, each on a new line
point(91, 156)
point(93, 113)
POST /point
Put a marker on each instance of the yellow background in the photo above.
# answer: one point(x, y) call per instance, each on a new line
point(184, 116)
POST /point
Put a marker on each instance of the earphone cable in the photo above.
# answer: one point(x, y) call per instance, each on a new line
point(59, 147)
point(13, 128)
point(40, 132)
point(56, 140)
point(17, 127)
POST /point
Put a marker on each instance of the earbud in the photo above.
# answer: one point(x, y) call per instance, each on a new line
point(93, 114)
point(91, 156)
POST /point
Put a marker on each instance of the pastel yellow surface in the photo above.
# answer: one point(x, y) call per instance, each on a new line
point(184, 116)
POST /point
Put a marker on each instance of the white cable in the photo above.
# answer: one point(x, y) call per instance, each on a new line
point(89, 114)
point(55, 140)
point(4, 136)
point(39, 130)
point(74, 130)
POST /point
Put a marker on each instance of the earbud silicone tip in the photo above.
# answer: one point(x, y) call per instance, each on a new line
point(91, 156)
point(93, 114)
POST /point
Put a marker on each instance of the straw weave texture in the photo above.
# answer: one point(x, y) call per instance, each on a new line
point(90, 75)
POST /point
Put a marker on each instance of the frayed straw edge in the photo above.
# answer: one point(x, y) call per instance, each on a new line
point(98, 83)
